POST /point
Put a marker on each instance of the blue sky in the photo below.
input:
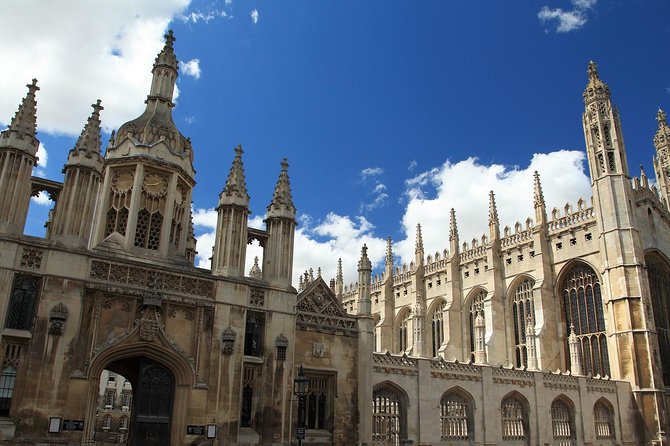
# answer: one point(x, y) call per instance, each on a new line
point(390, 112)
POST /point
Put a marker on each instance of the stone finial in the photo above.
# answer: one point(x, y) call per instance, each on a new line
point(596, 89)
point(90, 138)
point(167, 57)
point(228, 341)
point(235, 190)
point(24, 122)
point(418, 244)
point(662, 137)
point(389, 253)
point(364, 263)
point(255, 271)
point(282, 201)
point(538, 195)
point(493, 210)
point(453, 227)
point(661, 118)
point(340, 276)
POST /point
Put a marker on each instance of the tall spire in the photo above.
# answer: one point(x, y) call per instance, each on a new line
point(538, 200)
point(662, 157)
point(388, 262)
point(418, 248)
point(453, 233)
point(596, 89)
point(235, 190)
point(364, 303)
point(282, 201)
point(340, 276)
point(90, 139)
point(164, 71)
point(494, 227)
point(24, 123)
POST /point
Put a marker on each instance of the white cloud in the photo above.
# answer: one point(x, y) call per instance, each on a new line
point(42, 199)
point(465, 187)
point(42, 156)
point(191, 68)
point(189, 119)
point(200, 16)
point(568, 20)
point(371, 172)
point(254, 16)
point(112, 61)
point(412, 165)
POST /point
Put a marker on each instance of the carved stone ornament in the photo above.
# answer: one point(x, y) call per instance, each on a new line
point(228, 341)
point(31, 258)
point(148, 330)
point(57, 318)
point(318, 350)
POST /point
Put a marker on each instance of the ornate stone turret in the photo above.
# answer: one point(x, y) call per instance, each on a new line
point(280, 224)
point(625, 285)
point(364, 281)
point(388, 262)
point(144, 204)
point(83, 175)
point(339, 281)
point(18, 149)
point(418, 247)
point(453, 235)
point(662, 157)
point(230, 245)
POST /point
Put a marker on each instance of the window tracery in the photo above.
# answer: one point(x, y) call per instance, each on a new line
point(583, 307)
point(562, 423)
point(22, 302)
point(658, 273)
point(389, 415)
point(438, 327)
point(119, 202)
point(514, 419)
point(455, 418)
point(403, 337)
point(151, 210)
point(604, 424)
point(522, 310)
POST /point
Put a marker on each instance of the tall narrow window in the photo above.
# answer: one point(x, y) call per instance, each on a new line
point(7, 382)
point(583, 307)
point(22, 302)
point(246, 415)
point(318, 403)
point(604, 424)
point(522, 309)
point(563, 426)
point(403, 338)
point(150, 215)
point(253, 334)
point(514, 419)
point(438, 327)
point(456, 418)
point(658, 272)
point(389, 416)
point(119, 202)
point(476, 307)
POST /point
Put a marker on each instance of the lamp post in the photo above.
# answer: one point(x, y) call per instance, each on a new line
point(300, 390)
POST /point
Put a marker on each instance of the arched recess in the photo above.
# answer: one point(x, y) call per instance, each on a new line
point(658, 273)
point(579, 292)
point(563, 420)
point(402, 333)
point(124, 356)
point(474, 302)
point(457, 410)
point(514, 423)
point(603, 417)
point(521, 310)
point(389, 413)
point(438, 325)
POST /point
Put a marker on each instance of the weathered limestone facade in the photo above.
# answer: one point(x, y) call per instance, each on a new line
point(556, 331)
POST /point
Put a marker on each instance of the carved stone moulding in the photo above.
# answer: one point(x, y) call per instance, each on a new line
point(228, 341)
point(57, 318)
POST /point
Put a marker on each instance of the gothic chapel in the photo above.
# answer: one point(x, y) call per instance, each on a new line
point(553, 332)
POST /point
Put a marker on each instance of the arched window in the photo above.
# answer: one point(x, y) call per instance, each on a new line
point(437, 327)
point(658, 272)
point(522, 310)
point(21, 302)
point(123, 423)
point(403, 330)
point(7, 382)
point(107, 422)
point(514, 420)
point(476, 307)
point(604, 421)
point(389, 415)
point(562, 423)
point(456, 417)
point(583, 307)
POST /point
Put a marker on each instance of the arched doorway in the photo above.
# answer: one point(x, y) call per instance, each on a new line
point(153, 399)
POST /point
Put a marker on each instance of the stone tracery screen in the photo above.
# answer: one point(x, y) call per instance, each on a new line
point(455, 418)
point(563, 426)
point(438, 327)
point(522, 308)
point(583, 308)
point(388, 416)
point(513, 420)
point(477, 307)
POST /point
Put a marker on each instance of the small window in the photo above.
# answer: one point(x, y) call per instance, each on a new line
point(319, 402)
point(253, 334)
point(22, 302)
point(7, 382)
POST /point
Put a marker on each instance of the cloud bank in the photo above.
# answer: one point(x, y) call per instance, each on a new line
point(568, 20)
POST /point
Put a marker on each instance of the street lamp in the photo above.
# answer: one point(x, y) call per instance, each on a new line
point(300, 390)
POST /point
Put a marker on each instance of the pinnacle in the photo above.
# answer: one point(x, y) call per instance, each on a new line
point(25, 120)
point(493, 210)
point(453, 227)
point(364, 264)
point(596, 89)
point(340, 276)
point(167, 56)
point(282, 201)
point(418, 249)
point(89, 140)
point(538, 195)
point(592, 70)
point(389, 252)
point(236, 188)
point(661, 118)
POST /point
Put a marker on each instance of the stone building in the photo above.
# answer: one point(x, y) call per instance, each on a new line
point(455, 348)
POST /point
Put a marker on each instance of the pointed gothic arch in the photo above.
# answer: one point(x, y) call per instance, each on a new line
point(603, 417)
point(579, 292)
point(658, 274)
point(389, 414)
point(563, 420)
point(457, 408)
point(403, 332)
point(514, 423)
point(521, 306)
point(474, 302)
point(438, 325)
